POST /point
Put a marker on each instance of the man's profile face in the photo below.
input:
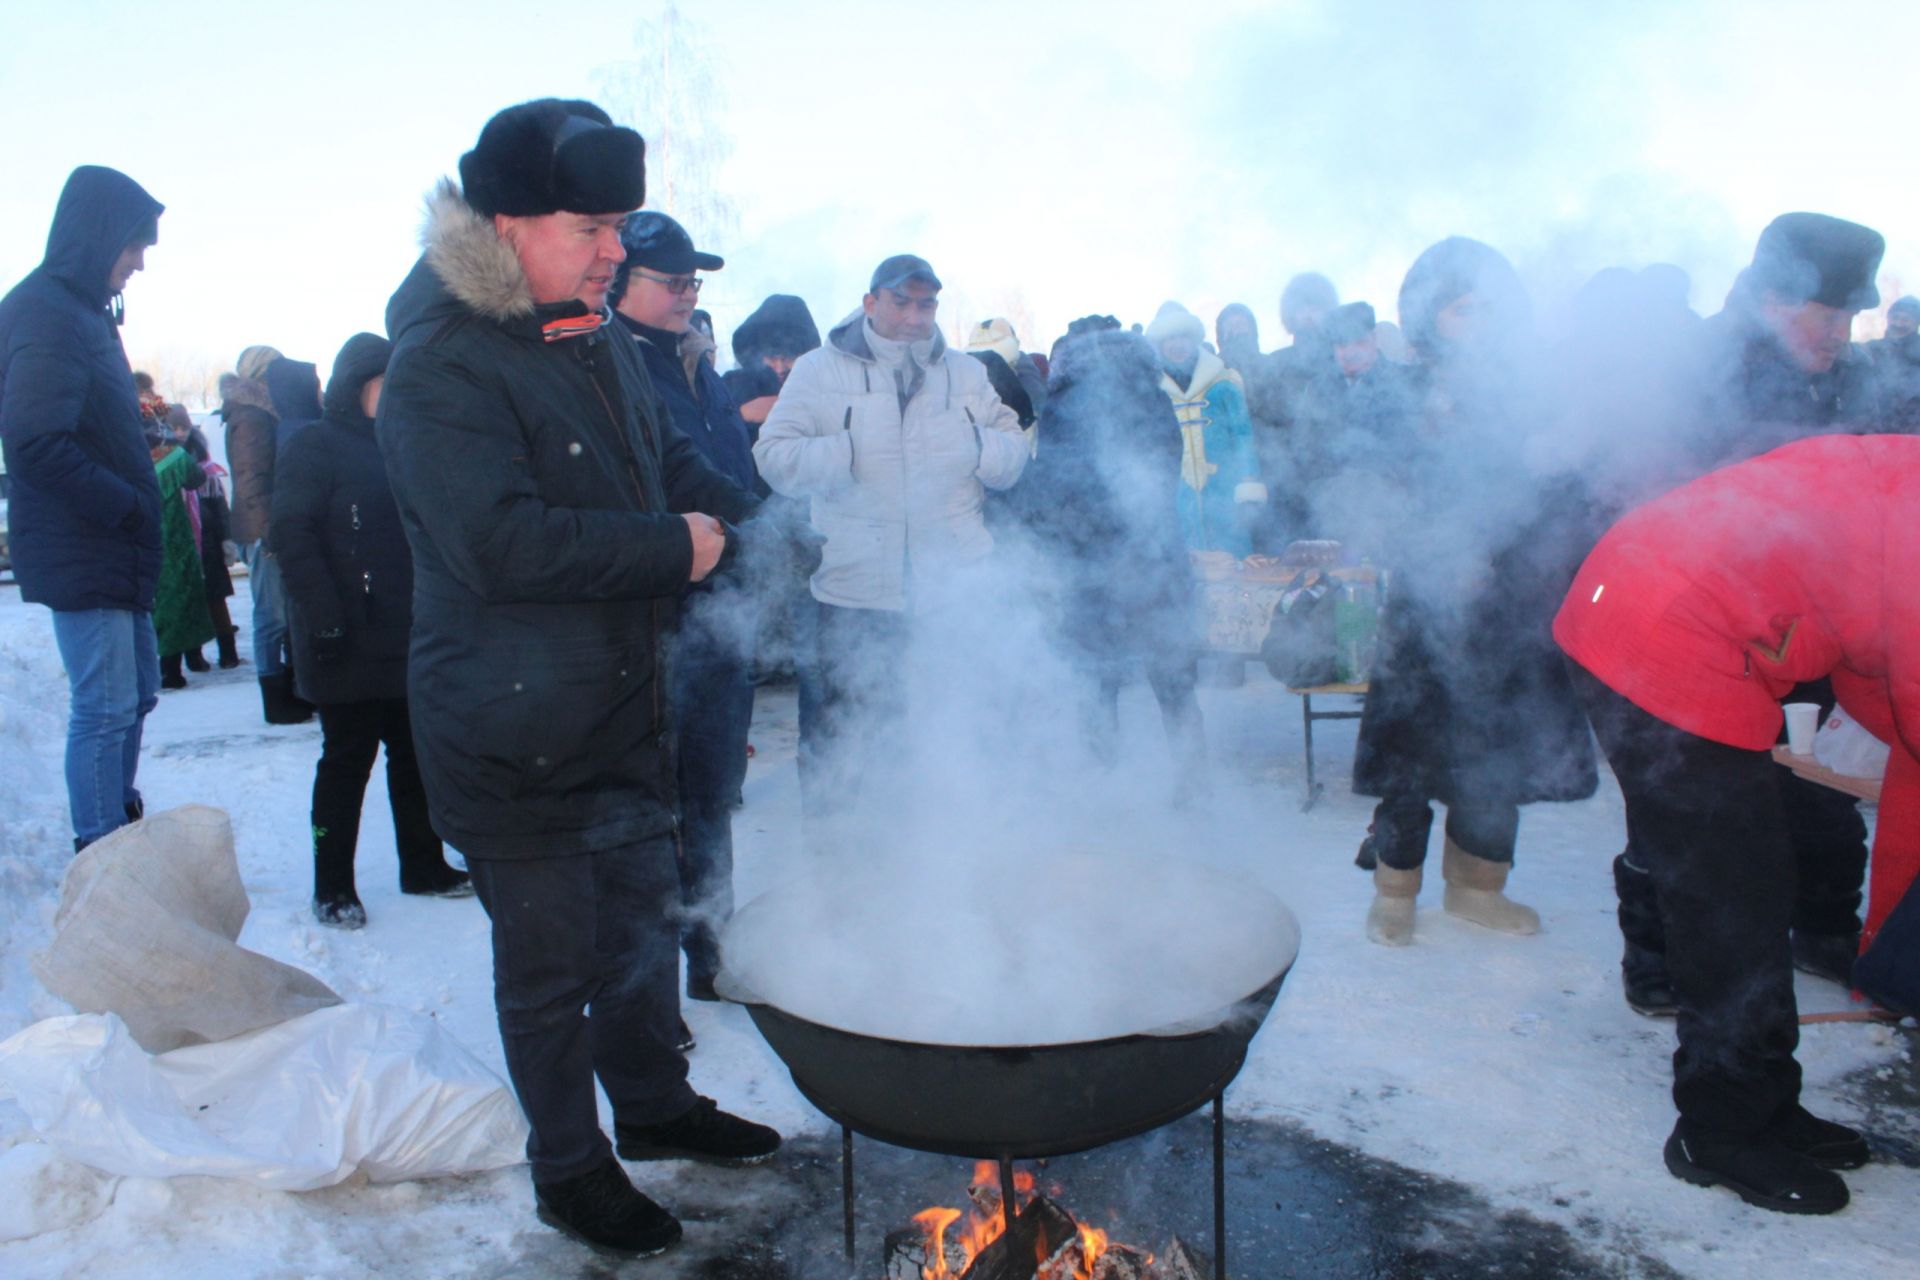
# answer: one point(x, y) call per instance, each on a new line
point(1356, 358)
point(781, 364)
point(566, 255)
point(132, 258)
point(904, 314)
point(1812, 334)
point(1902, 323)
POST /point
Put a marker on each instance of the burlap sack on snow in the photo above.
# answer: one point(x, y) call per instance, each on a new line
point(146, 929)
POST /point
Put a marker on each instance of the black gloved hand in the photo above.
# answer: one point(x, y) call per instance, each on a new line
point(328, 646)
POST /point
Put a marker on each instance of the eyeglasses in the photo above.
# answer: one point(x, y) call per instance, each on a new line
point(675, 285)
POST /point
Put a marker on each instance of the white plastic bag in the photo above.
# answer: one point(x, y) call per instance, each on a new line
point(1843, 745)
point(294, 1106)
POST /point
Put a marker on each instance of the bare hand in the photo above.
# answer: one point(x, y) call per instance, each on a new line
point(709, 540)
point(757, 409)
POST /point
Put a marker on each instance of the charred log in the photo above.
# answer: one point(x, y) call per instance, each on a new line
point(1184, 1262)
point(1041, 1230)
point(911, 1255)
point(1120, 1262)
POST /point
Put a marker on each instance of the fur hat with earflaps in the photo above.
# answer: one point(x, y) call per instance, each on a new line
point(554, 155)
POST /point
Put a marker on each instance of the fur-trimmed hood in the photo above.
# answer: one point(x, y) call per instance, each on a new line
point(236, 390)
point(464, 266)
point(476, 265)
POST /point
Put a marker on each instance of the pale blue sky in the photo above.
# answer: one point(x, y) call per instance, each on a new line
point(1050, 158)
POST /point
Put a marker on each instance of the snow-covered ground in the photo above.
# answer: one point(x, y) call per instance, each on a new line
point(1508, 1064)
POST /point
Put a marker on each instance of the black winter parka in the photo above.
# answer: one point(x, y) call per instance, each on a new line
point(538, 482)
point(343, 555)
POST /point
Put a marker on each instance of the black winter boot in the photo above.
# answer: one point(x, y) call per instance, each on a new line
point(1760, 1169)
point(1829, 1144)
point(1826, 955)
point(423, 859)
point(196, 661)
point(278, 702)
point(1643, 966)
point(171, 677)
point(602, 1210)
point(703, 1132)
point(229, 655)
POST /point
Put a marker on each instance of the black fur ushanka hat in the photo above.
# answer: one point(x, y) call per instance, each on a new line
point(555, 154)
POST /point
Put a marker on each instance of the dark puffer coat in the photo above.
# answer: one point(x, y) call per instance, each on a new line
point(538, 483)
point(1100, 499)
point(342, 552)
point(1470, 698)
point(85, 505)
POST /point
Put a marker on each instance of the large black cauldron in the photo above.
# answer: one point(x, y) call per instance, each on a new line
point(989, 1102)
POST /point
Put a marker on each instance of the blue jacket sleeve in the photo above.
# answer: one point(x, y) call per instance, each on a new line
point(40, 410)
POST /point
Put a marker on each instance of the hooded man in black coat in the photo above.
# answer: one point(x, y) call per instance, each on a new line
point(555, 515)
point(85, 505)
point(766, 344)
point(349, 581)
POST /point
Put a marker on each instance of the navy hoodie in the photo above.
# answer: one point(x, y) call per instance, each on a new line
point(85, 507)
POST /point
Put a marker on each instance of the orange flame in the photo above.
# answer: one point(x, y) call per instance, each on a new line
point(981, 1229)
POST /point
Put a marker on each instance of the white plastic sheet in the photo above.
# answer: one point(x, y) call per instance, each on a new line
point(295, 1106)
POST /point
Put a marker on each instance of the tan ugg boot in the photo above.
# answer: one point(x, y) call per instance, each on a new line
point(1390, 918)
point(1474, 892)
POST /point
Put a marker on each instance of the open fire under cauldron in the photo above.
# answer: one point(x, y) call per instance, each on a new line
point(1004, 1102)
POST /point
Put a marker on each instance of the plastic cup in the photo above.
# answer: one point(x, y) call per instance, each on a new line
point(1803, 718)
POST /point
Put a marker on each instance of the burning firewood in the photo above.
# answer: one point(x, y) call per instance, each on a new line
point(914, 1253)
point(1042, 1230)
point(1122, 1263)
point(1183, 1262)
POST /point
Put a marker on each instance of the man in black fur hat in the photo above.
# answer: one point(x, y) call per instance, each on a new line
point(555, 515)
point(1777, 365)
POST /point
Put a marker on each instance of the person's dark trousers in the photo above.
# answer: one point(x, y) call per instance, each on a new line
point(585, 953)
point(1829, 840)
point(1173, 679)
point(1487, 829)
point(853, 700)
point(712, 711)
point(351, 733)
point(1708, 822)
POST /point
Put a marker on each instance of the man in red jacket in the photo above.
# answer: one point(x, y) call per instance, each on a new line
point(1690, 621)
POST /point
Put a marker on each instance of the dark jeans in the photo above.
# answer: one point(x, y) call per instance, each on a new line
point(1708, 820)
point(584, 959)
point(351, 733)
point(1402, 824)
point(853, 702)
point(1173, 678)
point(712, 711)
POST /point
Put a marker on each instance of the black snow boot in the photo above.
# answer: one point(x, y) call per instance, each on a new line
point(171, 677)
point(1826, 955)
point(278, 703)
point(602, 1210)
point(703, 1132)
point(335, 822)
point(423, 860)
point(1827, 1143)
point(196, 661)
point(229, 655)
point(1759, 1168)
point(1643, 965)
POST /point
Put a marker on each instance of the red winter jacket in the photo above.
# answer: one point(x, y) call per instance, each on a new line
point(1707, 605)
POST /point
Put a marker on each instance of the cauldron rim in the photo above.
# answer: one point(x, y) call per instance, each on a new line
point(735, 989)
